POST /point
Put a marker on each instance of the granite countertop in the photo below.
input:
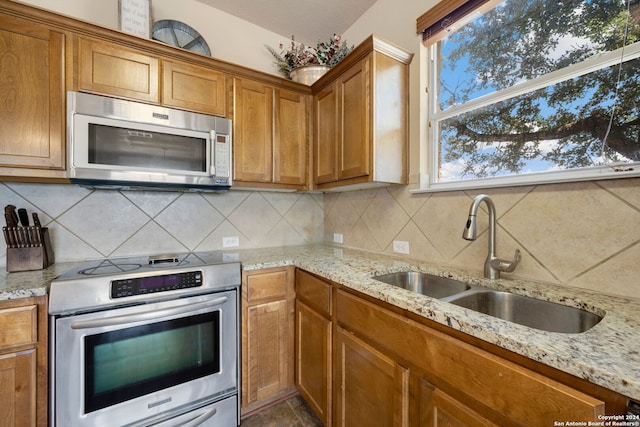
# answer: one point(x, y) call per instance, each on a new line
point(607, 355)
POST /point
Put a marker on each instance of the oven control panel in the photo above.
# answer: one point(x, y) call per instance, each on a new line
point(147, 285)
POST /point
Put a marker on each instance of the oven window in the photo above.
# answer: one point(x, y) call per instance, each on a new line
point(115, 146)
point(128, 363)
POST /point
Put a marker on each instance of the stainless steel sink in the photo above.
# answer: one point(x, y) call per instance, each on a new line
point(424, 283)
point(527, 311)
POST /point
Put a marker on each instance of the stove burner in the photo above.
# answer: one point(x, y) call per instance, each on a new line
point(109, 267)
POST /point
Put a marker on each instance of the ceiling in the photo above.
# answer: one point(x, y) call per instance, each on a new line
point(309, 21)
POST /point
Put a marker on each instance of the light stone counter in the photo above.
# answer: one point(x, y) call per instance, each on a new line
point(607, 355)
point(24, 284)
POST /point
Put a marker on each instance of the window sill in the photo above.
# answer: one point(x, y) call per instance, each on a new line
point(592, 174)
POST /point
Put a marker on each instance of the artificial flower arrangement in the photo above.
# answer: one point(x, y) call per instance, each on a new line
point(325, 53)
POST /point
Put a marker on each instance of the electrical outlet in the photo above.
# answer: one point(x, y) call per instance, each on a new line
point(230, 242)
point(401, 247)
point(337, 238)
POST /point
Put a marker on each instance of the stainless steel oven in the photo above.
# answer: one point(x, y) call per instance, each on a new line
point(139, 343)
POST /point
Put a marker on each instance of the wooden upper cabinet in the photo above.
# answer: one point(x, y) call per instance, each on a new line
point(270, 136)
point(32, 113)
point(362, 118)
point(325, 134)
point(111, 69)
point(354, 105)
point(192, 87)
point(253, 132)
point(291, 137)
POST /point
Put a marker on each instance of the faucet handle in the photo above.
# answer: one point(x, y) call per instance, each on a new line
point(506, 266)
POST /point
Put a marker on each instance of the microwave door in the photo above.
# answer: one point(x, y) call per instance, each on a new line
point(148, 149)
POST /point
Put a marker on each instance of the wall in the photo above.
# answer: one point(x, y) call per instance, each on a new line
point(583, 234)
point(87, 224)
point(230, 39)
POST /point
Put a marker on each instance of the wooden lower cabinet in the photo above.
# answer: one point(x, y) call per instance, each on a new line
point(491, 387)
point(314, 344)
point(18, 388)
point(267, 336)
point(23, 362)
point(372, 389)
point(438, 409)
point(388, 367)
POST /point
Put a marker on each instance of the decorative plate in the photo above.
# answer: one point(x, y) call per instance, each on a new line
point(179, 34)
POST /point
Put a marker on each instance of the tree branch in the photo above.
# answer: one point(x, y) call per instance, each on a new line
point(595, 124)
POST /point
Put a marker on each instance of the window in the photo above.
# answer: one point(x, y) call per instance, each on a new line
point(536, 91)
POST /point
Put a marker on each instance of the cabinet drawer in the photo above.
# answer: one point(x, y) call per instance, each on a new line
point(314, 292)
point(18, 326)
point(270, 284)
point(523, 396)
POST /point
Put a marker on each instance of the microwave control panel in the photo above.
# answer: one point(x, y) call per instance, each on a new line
point(222, 156)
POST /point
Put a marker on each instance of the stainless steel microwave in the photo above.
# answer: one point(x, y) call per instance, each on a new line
point(125, 144)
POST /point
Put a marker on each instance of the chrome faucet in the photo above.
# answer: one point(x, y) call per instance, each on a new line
point(492, 265)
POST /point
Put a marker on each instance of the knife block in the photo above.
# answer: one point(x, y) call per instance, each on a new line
point(36, 256)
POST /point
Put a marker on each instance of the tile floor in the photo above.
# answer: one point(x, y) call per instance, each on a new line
point(293, 412)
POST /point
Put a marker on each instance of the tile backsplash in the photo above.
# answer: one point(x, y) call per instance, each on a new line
point(87, 224)
point(582, 234)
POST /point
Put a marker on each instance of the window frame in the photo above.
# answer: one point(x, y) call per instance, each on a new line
point(433, 116)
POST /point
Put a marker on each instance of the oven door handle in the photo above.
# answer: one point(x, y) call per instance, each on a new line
point(145, 316)
point(199, 419)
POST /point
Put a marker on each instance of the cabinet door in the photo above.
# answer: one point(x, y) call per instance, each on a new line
point(193, 88)
point(325, 153)
point(437, 409)
point(268, 315)
point(32, 114)
point(267, 333)
point(115, 70)
point(18, 389)
point(313, 360)
point(355, 122)
point(291, 138)
point(253, 131)
point(371, 388)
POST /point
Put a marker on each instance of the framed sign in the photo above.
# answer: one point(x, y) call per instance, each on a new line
point(135, 17)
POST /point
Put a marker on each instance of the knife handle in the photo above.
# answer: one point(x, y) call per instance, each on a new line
point(35, 236)
point(7, 237)
point(11, 216)
point(24, 217)
point(36, 220)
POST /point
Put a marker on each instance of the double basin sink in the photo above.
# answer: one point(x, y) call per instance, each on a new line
point(527, 311)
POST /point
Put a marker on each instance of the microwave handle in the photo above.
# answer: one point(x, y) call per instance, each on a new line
point(145, 316)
